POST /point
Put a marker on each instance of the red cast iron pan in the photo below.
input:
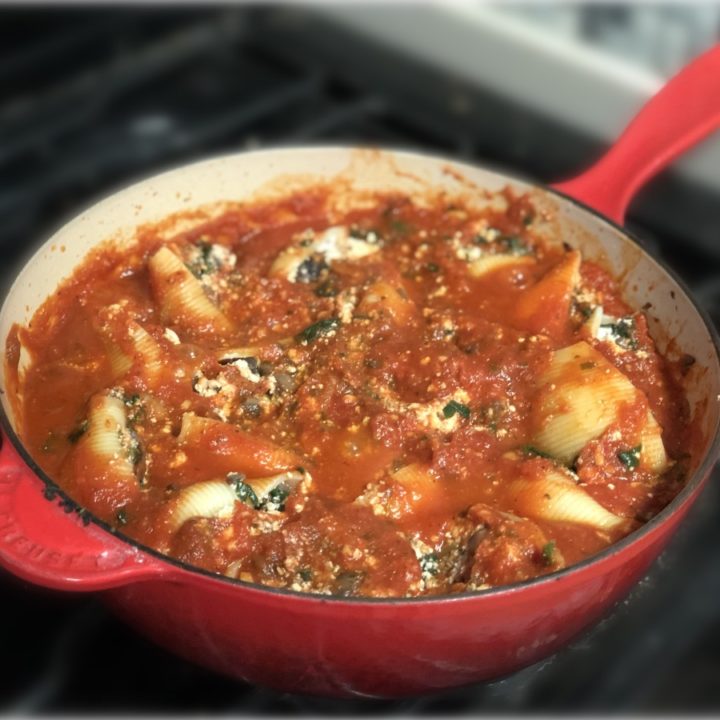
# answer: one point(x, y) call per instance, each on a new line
point(373, 647)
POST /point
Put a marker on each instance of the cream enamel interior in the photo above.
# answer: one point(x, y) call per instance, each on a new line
point(677, 326)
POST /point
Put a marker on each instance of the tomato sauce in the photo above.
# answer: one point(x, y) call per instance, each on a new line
point(369, 404)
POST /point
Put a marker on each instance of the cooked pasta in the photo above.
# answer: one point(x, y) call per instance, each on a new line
point(180, 295)
point(399, 399)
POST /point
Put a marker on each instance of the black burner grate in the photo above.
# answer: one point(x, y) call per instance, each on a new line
point(94, 99)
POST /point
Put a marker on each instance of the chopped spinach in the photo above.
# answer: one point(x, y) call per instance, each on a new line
point(310, 269)
point(400, 227)
point(455, 407)
point(585, 309)
point(204, 262)
point(244, 492)
point(306, 574)
point(514, 245)
point(432, 267)
point(327, 288)
point(276, 498)
point(623, 332)
point(630, 458)
point(532, 451)
point(548, 553)
point(317, 329)
point(430, 564)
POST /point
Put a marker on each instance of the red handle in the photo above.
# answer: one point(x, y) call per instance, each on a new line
point(680, 115)
point(42, 543)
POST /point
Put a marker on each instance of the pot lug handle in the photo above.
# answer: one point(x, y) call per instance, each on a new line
point(50, 545)
point(681, 114)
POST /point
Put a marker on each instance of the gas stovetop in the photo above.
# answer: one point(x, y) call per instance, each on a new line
point(93, 100)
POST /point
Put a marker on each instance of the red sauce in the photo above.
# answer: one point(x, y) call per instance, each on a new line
point(389, 374)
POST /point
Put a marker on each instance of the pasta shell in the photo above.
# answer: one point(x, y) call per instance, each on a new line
point(229, 449)
point(262, 487)
point(388, 301)
point(545, 307)
point(423, 488)
point(211, 499)
point(415, 477)
point(104, 467)
point(332, 244)
point(581, 394)
point(106, 436)
point(653, 456)
point(128, 344)
point(488, 263)
point(120, 363)
point(181, 296)
point(557, 498)
point(286, 264)
point(146, 350)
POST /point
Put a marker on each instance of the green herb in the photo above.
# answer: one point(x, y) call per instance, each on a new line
point(244, 492)
point(454, 407)
point(534, 452)
point(548, 553)
point(430, 564)
point(204, 263)
point(630, 458)
point(585, 309)
point(623, 332)
point(528, 219)
point(137, 411)
point(121, 517)
point(587, 365)
point(432, 267)
point(134, 451)
point(305, 574)
point(321, 327)
point(514, 245)
point(277, 497)
point(78, 432)
point(328, 288)
point(400, 227)
point(480, 240)
point(310, 269)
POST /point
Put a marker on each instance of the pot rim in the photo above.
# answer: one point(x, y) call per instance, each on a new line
point(691, 487)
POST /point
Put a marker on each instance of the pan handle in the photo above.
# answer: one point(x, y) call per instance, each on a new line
point(681, 114)
point(49, 544)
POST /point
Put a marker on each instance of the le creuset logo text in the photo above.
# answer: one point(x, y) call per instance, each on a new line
point(14, 542)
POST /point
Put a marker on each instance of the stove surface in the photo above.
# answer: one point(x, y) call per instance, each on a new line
point(95, 99)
